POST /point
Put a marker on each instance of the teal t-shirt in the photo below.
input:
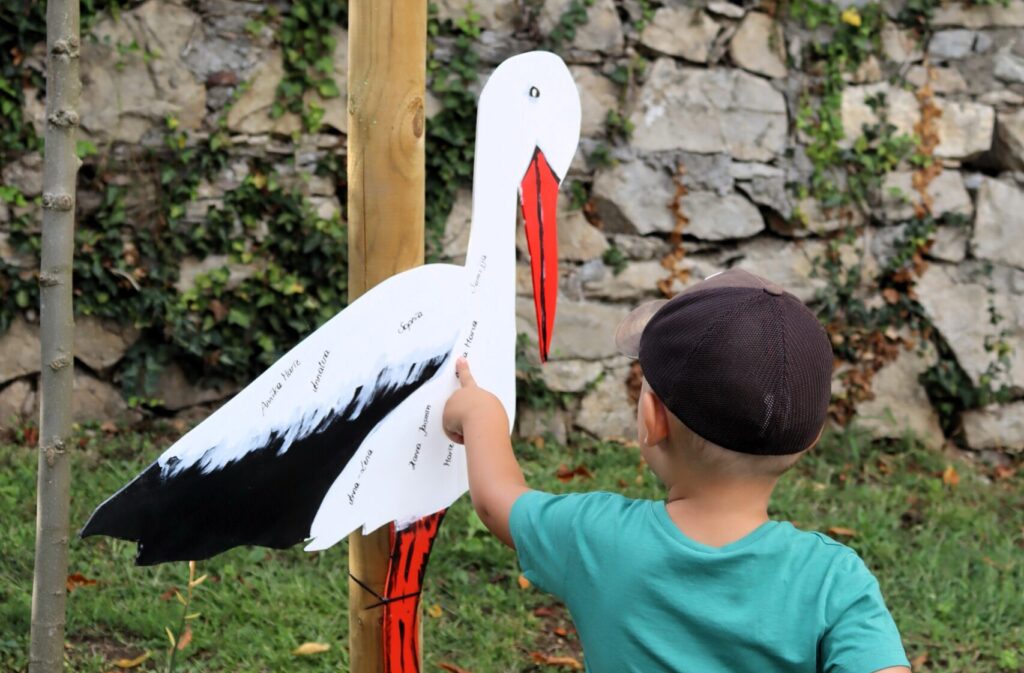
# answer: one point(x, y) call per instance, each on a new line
point(646, 598)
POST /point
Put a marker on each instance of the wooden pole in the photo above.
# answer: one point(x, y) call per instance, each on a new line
point(60, 170)
point(387, 52)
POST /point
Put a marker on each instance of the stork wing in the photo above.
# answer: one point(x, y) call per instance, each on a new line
point(257, 470)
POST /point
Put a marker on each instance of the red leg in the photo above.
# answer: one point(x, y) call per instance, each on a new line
point(410, 550)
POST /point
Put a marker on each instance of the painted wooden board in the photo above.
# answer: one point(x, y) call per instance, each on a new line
point(344, 431)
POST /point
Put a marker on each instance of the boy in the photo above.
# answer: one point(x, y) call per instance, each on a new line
point(736, 387)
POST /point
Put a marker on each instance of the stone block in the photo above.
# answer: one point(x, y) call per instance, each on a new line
point(995, 427)
point(19, 350)
point(583, 330)
point(709, 111)
point(601, 32)
point(999, 224)
point(634, 198)
point(681, 31)
point(900, 403)
point(759, 46)
point(607, 412)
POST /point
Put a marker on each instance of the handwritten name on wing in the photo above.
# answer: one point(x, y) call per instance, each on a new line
point(406, 325)
point(468, 342)
point(320, 365)
point(276, 387)
point(363, 464)
point(481, 267)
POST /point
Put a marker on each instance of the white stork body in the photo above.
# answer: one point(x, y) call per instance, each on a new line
point(345, 429)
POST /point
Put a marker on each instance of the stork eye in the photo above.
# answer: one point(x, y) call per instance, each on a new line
point(534, 92)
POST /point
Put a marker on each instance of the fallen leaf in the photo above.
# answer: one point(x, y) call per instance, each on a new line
point(108, 427)
point(565, 474)
point(987, 560)
point(890, 295)
point(919, 660)
point(31, 436)
point(523, 582)
point(950, 476)
point(76, 580)
point(451, 668)
point(1004, 472)
point(434, 611)
point(169, 594)
point(132, 663)
point(842, 532)
point(568, 662)
point(544, 611)
point(185, 639)
point(306, 649)
point(560, 632)
point(851, 16)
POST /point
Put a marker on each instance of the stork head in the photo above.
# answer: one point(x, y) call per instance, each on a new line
point(529, 120)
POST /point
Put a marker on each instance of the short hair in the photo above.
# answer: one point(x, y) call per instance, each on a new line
point(726, 461)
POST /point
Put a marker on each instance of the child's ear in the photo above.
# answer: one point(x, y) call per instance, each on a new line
point(653, 419)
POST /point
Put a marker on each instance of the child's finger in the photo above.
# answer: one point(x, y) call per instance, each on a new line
point(462, 371)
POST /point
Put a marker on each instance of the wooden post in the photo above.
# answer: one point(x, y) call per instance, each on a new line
point(387, 52)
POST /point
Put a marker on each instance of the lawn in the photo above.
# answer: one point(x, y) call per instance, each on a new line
point(945, 538)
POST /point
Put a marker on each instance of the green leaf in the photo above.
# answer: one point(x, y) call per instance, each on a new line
point(239, 317)
point(328, 89)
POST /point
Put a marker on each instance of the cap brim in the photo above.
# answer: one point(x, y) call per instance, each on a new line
point(629, 331)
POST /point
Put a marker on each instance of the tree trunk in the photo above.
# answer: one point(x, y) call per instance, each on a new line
point(387, 69)
point(60, 169)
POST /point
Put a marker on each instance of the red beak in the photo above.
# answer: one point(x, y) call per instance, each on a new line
point(539, 197)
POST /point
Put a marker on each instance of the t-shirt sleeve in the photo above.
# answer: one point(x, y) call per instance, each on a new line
point(862, 636)
point(543, 528)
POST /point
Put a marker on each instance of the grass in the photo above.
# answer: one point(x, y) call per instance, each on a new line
point(949, 559)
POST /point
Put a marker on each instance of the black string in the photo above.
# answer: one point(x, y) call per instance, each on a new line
point(381, 600)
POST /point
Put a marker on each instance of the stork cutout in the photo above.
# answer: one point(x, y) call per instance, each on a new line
point(344, 431)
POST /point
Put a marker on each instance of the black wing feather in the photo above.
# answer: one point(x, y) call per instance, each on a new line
point(264, 498)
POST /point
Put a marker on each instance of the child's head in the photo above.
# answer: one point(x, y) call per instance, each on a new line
point(737, 377)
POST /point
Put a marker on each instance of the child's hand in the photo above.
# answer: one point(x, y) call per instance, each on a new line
point(476, 418)
point(469, 401)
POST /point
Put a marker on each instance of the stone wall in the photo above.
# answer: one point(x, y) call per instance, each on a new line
point(693, 160)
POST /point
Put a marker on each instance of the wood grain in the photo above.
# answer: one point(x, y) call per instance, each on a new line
point(386, 89)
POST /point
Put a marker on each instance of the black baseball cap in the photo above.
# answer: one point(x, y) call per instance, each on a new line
point(738, 360)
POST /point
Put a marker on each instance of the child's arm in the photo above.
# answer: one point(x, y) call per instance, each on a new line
point(476, 418)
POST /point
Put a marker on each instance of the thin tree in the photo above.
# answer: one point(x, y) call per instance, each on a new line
point(60, 168)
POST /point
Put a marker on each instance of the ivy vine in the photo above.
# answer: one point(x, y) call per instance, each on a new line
point(126, 268)
point(451, 133)
point(305, 37)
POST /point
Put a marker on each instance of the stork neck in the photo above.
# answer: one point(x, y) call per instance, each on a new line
point(493, 231)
